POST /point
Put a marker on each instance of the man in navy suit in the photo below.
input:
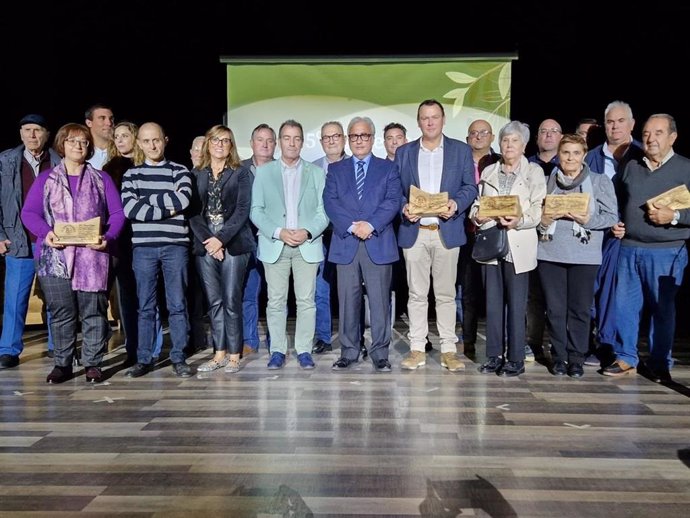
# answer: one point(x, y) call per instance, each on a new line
point(362, 198)
point(431, 245)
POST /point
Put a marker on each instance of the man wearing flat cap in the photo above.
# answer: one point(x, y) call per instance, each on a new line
point(19, 167)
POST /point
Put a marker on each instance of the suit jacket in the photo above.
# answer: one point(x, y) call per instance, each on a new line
point(268, 210)
point(236, 191)
point(457, 179)
point(379, 206)
point(11, 201)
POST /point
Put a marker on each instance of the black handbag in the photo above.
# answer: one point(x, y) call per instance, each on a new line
point(490, 244)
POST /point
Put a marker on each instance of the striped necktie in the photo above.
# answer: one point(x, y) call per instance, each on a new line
point(359, 178)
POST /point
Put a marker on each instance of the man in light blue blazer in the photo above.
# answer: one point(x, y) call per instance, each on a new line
point(434, 163)
point(362, 198)
point(287, 208)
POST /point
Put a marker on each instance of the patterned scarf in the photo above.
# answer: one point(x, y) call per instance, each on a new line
point(87, 268)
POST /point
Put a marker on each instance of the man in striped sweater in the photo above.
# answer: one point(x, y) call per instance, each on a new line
point(154, 196)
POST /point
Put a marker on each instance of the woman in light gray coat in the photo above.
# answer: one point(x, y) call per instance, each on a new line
point(569, 254)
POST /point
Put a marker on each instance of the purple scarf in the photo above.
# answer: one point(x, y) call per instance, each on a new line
point(87, 268)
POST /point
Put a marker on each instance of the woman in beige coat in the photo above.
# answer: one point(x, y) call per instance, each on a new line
point(506, 279)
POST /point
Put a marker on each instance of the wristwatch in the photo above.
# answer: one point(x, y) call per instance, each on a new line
point(676, 217)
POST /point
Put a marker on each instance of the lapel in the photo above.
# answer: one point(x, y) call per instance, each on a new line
point(277, 174)
point(413, 157)
point(445, 176)
point(349, 172)
point(227, 175)
point(306, 178)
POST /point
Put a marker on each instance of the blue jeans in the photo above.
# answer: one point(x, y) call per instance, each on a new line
point(322, 299)
point(19, 276)
point(250, 301)
point(648, 277)
point(126, 287)
point(172, 261)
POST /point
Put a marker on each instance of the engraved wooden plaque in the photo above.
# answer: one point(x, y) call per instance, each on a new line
point(676, 198)
point(79, 233)
point(575, 203)
point(499, 206)
point(427, 204)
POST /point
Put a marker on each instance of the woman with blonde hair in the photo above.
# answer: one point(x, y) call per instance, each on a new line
point(223, 241)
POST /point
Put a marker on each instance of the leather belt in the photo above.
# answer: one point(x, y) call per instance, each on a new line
point(433, 226)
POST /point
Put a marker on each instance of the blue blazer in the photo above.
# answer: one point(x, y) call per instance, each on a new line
point(379, 206)
point(595, 157)
point(457, 179)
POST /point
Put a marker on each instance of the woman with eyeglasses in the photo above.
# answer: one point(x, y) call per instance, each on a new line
point(74, 278)
point(223, 241)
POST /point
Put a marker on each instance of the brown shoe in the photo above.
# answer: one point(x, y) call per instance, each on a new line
point(247, 350)
point(451, 362)
point(59, 375)
point(413, 360)
point(619, 368)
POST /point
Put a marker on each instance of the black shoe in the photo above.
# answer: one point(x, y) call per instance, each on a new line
point(139, 370)
point(50, 353)
point(511, 369)
point(321, 347)
point(8, 361)
point(382, 365)
point(182, 370)
point(59, 375)
point(94, 375)
point(492, 364)
point(559, 368)
point(575, 370)
point(342, 364)
point(655, 375)
point(363, 351)
point(131, 361)
point(428, 347)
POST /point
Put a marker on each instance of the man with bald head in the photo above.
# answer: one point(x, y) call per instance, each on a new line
point(19, 167)
point(154, 196)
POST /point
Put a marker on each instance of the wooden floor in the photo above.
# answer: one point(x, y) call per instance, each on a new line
point(320, 443)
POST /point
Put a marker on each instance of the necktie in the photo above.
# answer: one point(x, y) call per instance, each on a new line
point(359, 178)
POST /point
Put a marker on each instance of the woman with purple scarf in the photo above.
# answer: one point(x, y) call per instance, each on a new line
point(74, 279)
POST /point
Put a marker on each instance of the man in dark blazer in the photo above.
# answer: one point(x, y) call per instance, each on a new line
point(362, 198)
point(435, 164)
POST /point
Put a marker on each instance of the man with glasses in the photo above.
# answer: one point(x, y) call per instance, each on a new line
point(155, 195)
point(287, 208)
point(549, 135)
point(434, 163)
point(470, 296)
point(333, 143)
point(19, 167)
point(100, 120)
point(362, 198)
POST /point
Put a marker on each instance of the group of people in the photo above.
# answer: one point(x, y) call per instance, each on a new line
point(229, 225)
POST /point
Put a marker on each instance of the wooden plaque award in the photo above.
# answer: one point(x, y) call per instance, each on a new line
point(79, 233)
point(499, 206)
point(676, 198)
point(427, 204)
point(575, 203)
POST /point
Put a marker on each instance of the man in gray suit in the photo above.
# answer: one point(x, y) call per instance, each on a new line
point(18, 169)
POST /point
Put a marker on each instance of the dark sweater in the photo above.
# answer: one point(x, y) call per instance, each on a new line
point(636, 185)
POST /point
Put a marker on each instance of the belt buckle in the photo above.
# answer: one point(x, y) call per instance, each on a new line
point(433, 226)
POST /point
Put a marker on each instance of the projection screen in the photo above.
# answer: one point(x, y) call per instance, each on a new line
point(316, 90)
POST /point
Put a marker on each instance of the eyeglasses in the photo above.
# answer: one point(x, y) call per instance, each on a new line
point(364, 137)
point(546, 131)
point(77, 142)
point(222, 141)
point(332, 138)
point(479, 134)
